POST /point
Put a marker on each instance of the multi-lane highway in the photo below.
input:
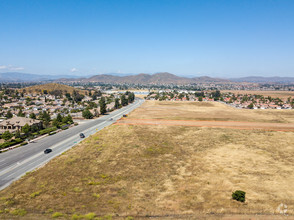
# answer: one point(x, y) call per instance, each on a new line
point(15, 163)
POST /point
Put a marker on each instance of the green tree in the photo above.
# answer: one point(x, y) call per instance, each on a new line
point(131, 97)
point(124, 101)
point(56, 123)
point(34, 128)
point(116, 103)
point(33, 116)
point(69, 119)
point(26, 129)
point(87, 114)
point(45, 117)
point(59, 117)
point(200, 99)
point(20, 113)
point(102, 105)
point(17, 134)
point(7, 135)
point(9, 114)
point(250, 106)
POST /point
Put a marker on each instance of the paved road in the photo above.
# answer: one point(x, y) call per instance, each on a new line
point(15, 163)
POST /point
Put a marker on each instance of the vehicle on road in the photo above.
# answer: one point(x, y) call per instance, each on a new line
point(124, 115)
point(47, 151)
point(82, 135)
point(110, 119)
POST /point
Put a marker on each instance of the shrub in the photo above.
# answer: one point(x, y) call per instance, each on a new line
point(90, 216)
point(57, 215)
point(11, 143)
point(76, 217)
point(96, 195)
point(19, 212)
point(24, 143)
point(47, 130)
point(33, 195)
point(239, 195)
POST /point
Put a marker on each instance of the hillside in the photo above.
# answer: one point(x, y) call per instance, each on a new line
point(157, 78)
point(52, 86)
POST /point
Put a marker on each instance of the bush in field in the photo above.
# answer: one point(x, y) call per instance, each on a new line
point(57, 215)
point(239, 195)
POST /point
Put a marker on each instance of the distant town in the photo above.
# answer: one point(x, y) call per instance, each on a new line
point(250, 101)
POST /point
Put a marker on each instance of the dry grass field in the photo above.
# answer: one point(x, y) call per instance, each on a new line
point(167, 172)
point(273, 94)
point(213, 111)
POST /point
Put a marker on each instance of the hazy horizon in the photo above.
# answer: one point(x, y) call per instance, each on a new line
point(225, 39)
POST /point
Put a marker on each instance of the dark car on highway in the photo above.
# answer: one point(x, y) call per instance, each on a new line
point(47, 151)
point(82, 135)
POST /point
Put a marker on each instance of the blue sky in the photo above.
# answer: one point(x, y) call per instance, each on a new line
point(215, 38)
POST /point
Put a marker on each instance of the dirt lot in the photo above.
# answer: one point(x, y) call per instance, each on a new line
point(166, 172)
point(212, 111)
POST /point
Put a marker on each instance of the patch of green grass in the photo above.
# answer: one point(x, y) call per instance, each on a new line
point(57, 215)
point(76, 216)
point(35, 194)
point(94, 183)
point(90, 216)
point(18, 212)
point(77, 189)
point(96, 195)
point(103, 176)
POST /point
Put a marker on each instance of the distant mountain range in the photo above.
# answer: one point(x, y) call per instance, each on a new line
point(157, 78)
point(27, 77)
point(142, 78)
point(260, 79)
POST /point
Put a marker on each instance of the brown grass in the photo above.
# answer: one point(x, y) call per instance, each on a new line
point(212, 124)
point(214, 111)
point(164, 171)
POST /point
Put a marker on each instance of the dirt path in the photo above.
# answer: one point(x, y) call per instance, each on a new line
point(212, 124)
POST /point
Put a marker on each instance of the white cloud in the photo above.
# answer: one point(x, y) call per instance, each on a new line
point(73, 70)
point(16, 68)
point(10, 68)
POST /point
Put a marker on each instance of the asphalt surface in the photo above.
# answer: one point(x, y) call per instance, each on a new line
point(17, 162)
